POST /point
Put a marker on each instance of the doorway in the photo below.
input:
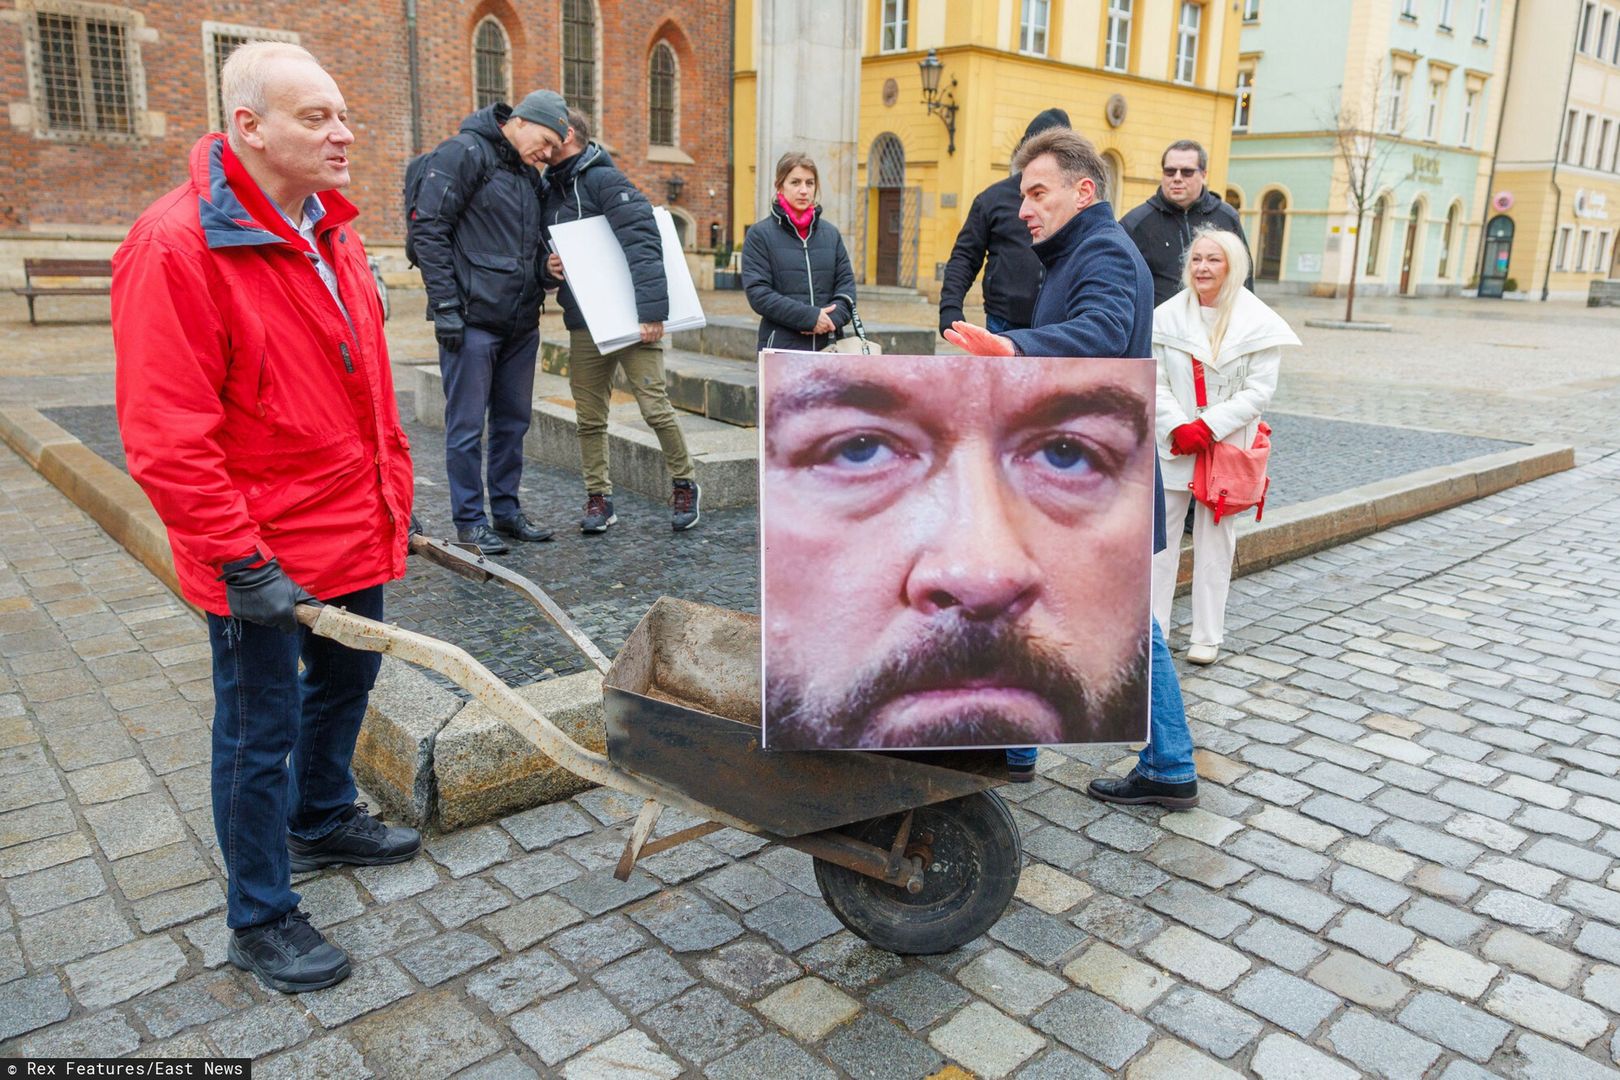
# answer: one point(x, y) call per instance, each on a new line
point(1273, 220)
point(886, 166)
point(1493, 270)
point(1409, 249)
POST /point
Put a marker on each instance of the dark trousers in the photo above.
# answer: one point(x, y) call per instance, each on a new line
point(282, 747)
point(491, 376)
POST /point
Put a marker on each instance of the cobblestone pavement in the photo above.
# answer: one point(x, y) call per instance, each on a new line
point(609, 582)
point(1402, 865)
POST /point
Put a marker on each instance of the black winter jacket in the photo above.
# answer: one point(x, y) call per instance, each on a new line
point(1163, 232)
point(1013, 276)
point(478, 228)
point(789, 281)
point(588, 185)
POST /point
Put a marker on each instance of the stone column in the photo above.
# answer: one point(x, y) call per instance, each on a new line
point(809, 63)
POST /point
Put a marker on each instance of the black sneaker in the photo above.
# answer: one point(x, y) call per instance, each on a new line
point(362, 840)
point(289, 954)
point(519, 527)
point(1020, 774)
point(598, 514)
point(683, 504)
point(1134, 790)
point(486, 538)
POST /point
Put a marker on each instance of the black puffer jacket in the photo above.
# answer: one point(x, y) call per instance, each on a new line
point(789, 280)
point(1163, 232)
point(1012, 279)
point(588, 185)
point(478, 227)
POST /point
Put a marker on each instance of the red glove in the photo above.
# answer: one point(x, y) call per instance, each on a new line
point(1191, 438)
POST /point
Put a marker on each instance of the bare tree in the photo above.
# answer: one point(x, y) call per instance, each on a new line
point(1355, 127)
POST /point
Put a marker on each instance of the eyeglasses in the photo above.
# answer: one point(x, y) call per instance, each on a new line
point(1186, 173)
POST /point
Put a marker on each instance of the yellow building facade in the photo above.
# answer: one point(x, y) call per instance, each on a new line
point(1133, 75)
point(1555, 210)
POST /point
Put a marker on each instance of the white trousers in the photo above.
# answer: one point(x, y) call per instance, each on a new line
point(1213, 549)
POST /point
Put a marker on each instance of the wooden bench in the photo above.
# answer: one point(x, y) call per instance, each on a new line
point(80, 271)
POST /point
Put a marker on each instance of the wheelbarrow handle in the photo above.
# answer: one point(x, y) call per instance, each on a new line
point(470, 563)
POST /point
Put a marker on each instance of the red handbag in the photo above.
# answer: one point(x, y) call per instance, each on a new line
point(1229, 479)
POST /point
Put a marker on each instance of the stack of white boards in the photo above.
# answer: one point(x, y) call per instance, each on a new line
point(599, 277)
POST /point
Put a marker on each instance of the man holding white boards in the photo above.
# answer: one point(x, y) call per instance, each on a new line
point(581, 182)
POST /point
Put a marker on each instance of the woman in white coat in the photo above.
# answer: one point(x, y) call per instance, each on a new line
point(1238, 341)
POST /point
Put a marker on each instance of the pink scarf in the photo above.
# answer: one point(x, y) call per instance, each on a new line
point(801, 219)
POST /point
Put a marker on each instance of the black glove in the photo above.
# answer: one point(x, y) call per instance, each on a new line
point(448, 327)
point(416, 525)
point(257, 591)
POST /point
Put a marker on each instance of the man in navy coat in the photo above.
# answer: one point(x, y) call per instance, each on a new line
point(1096, 301)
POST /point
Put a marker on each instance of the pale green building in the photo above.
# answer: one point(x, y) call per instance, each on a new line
point(1420, 79)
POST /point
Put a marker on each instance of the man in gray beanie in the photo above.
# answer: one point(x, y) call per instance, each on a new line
point(475, 231)
point(993, 231)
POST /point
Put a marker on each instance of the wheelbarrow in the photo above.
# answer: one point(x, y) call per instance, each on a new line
point(914, 852)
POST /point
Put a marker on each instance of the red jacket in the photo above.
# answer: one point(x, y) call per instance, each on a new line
point(254, 415)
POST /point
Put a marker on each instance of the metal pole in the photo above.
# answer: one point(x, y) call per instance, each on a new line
point(413, 63)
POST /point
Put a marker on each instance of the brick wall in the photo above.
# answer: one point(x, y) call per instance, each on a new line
point(95, 187)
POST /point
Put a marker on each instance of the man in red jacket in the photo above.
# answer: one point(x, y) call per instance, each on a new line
point(258, 414)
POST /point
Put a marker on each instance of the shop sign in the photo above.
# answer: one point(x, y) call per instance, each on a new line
point(1591, 204)
point(1425, 169)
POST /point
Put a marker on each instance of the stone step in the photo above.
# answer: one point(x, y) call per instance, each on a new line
point(735, 337)
point(726, 456)
point(720, 389)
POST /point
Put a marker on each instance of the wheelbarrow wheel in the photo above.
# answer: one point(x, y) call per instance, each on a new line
point(971, 858)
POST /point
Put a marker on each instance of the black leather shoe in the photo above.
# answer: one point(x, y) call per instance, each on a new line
point(519, 527)
point(1135, 790)
point(362, 840)
point(488, 541)
point(288, 954)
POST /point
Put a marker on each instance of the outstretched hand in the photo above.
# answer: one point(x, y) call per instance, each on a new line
point(978, 341)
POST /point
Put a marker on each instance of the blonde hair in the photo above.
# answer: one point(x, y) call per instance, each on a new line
point(1237, 272)
point(243, 78)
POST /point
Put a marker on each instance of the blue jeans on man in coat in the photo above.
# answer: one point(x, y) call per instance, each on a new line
point(283, 743)
point(1168, 755)
point(493, 376)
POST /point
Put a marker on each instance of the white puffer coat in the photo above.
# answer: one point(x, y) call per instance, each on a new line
point(1238, 382)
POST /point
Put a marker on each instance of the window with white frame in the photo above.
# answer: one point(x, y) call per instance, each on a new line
point(661, 95)
point(1470, 107)
point(1395, 115)
point(1561, 254)
point(1613, 164)
point(1583, 37)
point(1603, 143)
point(1582, 245)
point(492, 63)
point(1033, 24)
point(219, 41)
point(1409, 10)
point(1446, 238)
point(1600, 257)
point(1117, 51)
point(1243, 107)
point(1192, 16)
point(1251, 10)
point(1432, 115)
point(1445, 14)
point(1586, 139)
point(1572, 121)
point(1482, 19)
point(1605, 21)
point(1614, 47)
point(84, 68)
point(893, 29)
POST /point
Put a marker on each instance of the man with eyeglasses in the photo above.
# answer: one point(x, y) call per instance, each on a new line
point(1162, 228)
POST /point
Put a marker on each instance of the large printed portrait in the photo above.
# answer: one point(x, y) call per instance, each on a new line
point(956, 550)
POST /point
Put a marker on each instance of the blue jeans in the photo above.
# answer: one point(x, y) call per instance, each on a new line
point(490, 375)
point(266, 713)
point(1168, 755)
point(995, 324)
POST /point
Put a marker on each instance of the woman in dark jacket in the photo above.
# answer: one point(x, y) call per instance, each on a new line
point(794, 265)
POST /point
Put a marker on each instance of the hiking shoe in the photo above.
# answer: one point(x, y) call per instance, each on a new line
point(683, 504)
point(362, 840)
point(598, 514)
point(486, 539)
point(1020, 774)
point(1134, 790)
point(519, 527)
point(289, 954)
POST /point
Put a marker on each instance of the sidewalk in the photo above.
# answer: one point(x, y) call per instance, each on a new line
point(1401, 864)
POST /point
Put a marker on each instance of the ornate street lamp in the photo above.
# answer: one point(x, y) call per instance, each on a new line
point(942, 105)
point(673, 186)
